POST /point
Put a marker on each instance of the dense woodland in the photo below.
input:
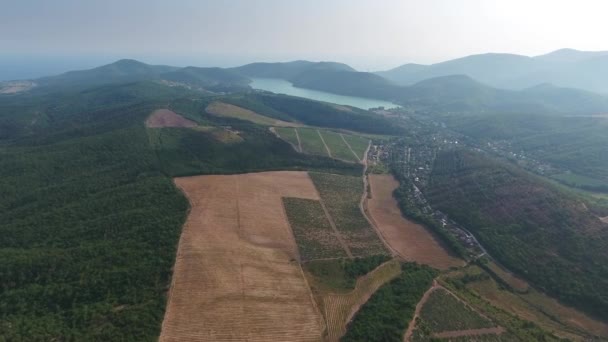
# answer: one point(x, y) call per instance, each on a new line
point(541, 233)
point(89, 215)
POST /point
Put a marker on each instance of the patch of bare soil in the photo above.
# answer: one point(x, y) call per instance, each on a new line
point(235, 276)
point(409, 240)
point(167, 118)
point(13, 87)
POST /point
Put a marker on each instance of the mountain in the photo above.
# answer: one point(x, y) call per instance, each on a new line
point(568, 68)
point(209, 78)
point(491, 68)
point(124, 70)
point(570, 55)
point(287, 70)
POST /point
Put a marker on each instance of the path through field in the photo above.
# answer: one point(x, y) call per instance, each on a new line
point(425, 297)
point(351, 149)
point(299, 141)
point(409, 240)
point(236, 277)
point(324, 144)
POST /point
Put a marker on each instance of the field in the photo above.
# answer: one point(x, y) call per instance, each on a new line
point(510, 279)
point(342, 196)
point(234, 277)
point(346, 147)
point(311, 141)
point(409, 240)
point(339, 308)
point(236, 112)
point(166, 118)
point(534, 307)
point(443, 312)
point(357, 143)
point(290, 135)
point(339, 149)
point(385, 316)
point(580, 181)
point(312, 230)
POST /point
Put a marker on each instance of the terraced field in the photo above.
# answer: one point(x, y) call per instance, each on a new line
point(340, 308)
point(234, 277)
point(342, 195)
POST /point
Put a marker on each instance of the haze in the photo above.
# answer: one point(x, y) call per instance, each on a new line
point(369, 35)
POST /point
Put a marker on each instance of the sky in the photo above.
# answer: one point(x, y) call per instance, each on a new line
point(367, 34)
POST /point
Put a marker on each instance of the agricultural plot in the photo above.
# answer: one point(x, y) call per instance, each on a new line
point(409, 240)
point(312, 230)
point(342, 196)
point(443, 312)
point(167, 118)
point(289, 135)
point(564, 321)
point(311, 142)
point(236, 112)
point(357, 143)
point(234, 276)
point(340, 308)
point(338, 147)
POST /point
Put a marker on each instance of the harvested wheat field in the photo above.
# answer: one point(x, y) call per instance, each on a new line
point(409, 240)
point(235, 275)
point(339, 308)
point(167, 118)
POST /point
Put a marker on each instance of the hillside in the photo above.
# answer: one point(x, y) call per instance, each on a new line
point(540, 233)
point(214, 79)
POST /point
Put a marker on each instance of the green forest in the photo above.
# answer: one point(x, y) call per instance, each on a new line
point(89, 215)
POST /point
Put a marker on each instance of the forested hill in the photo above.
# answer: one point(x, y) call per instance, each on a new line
point(544, 235)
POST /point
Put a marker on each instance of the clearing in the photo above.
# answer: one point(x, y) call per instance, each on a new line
point(236, 277)
point(167, 118)
point(236, 112)
point(409, 240)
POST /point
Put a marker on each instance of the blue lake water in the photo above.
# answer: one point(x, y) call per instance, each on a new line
point(280, 86)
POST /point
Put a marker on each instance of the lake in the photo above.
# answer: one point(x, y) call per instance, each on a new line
point(280, 86)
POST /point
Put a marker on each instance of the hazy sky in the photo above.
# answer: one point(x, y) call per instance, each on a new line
point(368, 34)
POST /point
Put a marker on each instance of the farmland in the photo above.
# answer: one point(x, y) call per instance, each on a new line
point(236, 112)
point(234, 277)
point(339, 308)
point(443, 312)
point(311, 141)
point(409, 240)
point(346, 147)
point(312, 230)
point(339, 149)
point(342, 195)
point(385, 315)
point(166, 118)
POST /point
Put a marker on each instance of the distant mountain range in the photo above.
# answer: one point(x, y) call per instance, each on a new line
point(464, 85)
point(564, 68)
